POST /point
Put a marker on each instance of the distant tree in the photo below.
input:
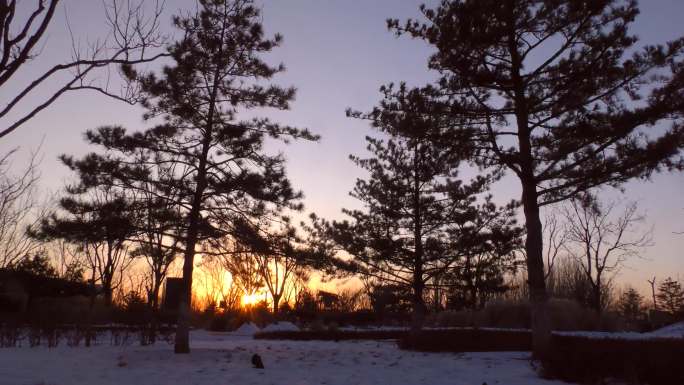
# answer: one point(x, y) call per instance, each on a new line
point(631, 305)
point(280, 257)
point(391, 299)
point(37, 264)
point(99, 223)
point(559, 93)
point(19, 208)
point(220, 174)
point(568, 280)
point(74, 271)
point(419, 220)
point(238, 260)
point(670, 296)
point(350, 300)
point(133, 39)
point(216, 288)
point(157, 237)
point(67, 258)
point(652, 283)
point(555, 240)
point(305, 304)
point(603, 241)
point(478, 278)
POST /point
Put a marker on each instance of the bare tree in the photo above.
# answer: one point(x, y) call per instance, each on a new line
point(652, 282)
point(212, 281)
point(602, 241)
point(279, 262)
point(69, 262)
point(133, 38)
point(556, 237)
point(19, 208)
point(242, 265)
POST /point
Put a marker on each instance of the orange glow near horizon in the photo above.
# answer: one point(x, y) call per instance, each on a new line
point(251, 299)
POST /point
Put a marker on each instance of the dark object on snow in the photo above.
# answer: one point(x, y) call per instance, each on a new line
point(256, 361)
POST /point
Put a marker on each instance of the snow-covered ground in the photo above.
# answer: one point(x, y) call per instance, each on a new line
point(674, 330)
point(223, 358)
point(671, 331)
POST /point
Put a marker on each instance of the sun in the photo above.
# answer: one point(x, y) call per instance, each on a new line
point(251, 299)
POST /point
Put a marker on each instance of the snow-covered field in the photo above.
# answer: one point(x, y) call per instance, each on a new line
point(222, 358)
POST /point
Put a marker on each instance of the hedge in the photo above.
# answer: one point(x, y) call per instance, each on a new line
point(330, 335)
point(642, 361)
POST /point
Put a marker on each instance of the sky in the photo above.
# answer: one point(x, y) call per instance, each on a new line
point(337, 54)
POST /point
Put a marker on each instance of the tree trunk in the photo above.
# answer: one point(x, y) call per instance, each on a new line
point(182, 343)
point(419, 308)
point(154, 311)
point(541, 320)
point(597, 297)
point(107, 290)
point(276, 305)
point(534, 242)
point(91, 306)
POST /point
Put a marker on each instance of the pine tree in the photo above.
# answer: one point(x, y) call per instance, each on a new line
point(630, 304)
point(38, 265)
point(478, 277)
point(100, 223)
point(670, 296)
point(202, 157)
point(556, 91)
point(419, 220)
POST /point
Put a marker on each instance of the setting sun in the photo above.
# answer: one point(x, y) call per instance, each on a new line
point(251, 299)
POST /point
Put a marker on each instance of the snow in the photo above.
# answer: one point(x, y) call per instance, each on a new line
point(246, 329)
point(282, 326)
point(223, 358)
point(406, 328)
point(674, 330)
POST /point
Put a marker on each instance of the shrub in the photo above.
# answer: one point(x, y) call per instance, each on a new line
point(566, 315)
point(642, 361)
point(467, 340)
point(505, 314)
point(219, 323)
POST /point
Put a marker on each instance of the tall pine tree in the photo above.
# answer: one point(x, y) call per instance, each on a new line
point(559, 93)
point(418, 219)
point(203, 158)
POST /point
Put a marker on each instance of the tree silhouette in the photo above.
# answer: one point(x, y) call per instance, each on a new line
point(205, 160)
point(419, 220)
point(604, 240)
point(670, 296)
point(630, 304)
point(133, 38)
point(99, 222)
point(557, 92)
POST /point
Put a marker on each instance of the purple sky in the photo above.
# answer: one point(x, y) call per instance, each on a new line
point(337, 54)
